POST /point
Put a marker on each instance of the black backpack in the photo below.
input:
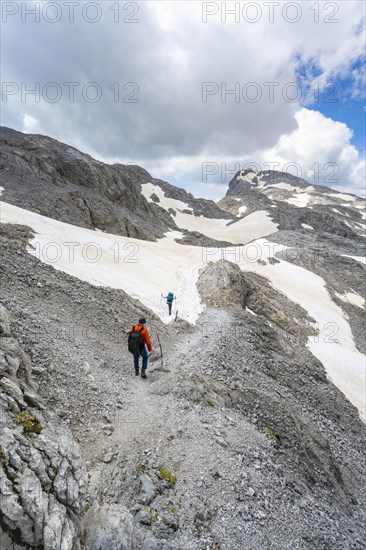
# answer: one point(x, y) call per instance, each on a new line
point(136, 341)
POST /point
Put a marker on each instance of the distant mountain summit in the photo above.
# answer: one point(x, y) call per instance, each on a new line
point(271, 182)
point(295, 203)
point(246, 180)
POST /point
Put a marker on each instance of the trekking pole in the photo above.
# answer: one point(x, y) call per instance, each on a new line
point(161, 349)
point(176, 310)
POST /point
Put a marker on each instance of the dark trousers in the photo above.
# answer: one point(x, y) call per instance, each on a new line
point(136, 357)
point(170, 307)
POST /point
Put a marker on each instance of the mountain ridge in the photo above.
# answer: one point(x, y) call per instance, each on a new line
point(245, 419)
point(56, 180)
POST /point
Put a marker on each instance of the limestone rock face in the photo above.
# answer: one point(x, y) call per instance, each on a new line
point(223, 284)
point(109, 526)
point(4, 322)
point(42, 474)
point(58, 181)
point(295, 204)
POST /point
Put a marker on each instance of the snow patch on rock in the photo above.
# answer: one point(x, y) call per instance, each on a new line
point(352, 298)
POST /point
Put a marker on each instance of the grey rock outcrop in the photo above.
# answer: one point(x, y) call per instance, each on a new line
point(43, 476)
point(223, 284)
point(109, 526)
point(194, 238)
point(56, 180)
point(295, 204)
point(200, 207)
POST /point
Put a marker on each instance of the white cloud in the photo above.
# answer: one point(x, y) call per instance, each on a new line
point(318, 150)
point(320, 143)
point(359, 82)
point(169, 54)
point(30, 124)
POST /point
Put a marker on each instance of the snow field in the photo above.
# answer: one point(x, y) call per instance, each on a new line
point(256, 225)
point(145, 269)
point(334, 345)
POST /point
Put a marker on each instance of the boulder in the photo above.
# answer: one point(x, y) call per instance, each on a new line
point(222, 284)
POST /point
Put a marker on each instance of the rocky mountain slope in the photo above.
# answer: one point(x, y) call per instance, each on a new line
point(238, 438)
point(237, 429)
point(295, 204)
point(58, 181)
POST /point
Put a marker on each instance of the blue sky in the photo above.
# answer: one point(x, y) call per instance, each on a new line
point(347, 110)
point(352, 113)
point(164, 71)
point(342, 99)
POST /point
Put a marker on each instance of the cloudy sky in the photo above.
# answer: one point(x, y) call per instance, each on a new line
point(193, 91)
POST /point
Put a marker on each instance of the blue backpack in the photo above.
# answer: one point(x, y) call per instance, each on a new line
point(170, 297)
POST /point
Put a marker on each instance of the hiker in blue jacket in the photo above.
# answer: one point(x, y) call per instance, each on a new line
point(169, 300)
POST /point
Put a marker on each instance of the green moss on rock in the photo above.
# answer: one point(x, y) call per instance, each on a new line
point(167, 476)
point(29, 423)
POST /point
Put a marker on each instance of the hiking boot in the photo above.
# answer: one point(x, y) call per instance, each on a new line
point(143, 374)
point(137, 372)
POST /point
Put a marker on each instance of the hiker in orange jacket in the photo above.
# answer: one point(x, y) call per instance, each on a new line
point(140, 327)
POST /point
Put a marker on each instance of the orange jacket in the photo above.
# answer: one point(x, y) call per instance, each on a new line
point(145, 335)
